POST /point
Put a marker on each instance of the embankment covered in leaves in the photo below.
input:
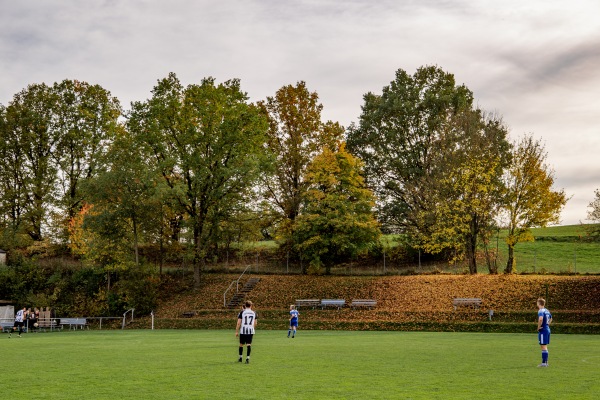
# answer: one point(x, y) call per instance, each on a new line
point(422, 302)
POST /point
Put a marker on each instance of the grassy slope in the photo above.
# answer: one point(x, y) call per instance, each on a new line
point(316, 365)
point(558, 249)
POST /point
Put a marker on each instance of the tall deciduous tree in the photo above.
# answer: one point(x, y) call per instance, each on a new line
point(401, 138)
point(52, 138)
point(27, 170)
point(337, 219)
point(85, 122)
point(468, 193)
point(530, 200)
point(207, 142)
point(126, 195)
point(296, 135)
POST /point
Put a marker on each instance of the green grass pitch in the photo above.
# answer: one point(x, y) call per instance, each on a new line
point(187, 364)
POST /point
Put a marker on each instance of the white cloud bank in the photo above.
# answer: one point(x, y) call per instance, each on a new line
point(537, 63)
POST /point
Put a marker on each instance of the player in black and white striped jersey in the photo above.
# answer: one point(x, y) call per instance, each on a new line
point(246, 325)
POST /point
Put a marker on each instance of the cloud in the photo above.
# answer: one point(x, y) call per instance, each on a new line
point(534, 62)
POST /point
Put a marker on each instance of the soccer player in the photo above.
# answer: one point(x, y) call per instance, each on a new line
point(543, 328)
point(293, 321)
point(19, 321)
point(246, 324)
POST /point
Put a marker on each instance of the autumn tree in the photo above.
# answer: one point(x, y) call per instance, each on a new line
point(206, 141)
point(467, 195)
point(295, 136)
point(27, 171)
point(337, 220)
point(400, 137)
point(594, 216)
point(420, 140)
point(126, 196)
point(530, 200)
point(51, 140)
point(85, 122)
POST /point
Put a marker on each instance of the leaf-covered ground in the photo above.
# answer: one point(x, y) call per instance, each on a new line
point(414, 294)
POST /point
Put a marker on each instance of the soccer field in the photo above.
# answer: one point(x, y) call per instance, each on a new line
point(188, 364)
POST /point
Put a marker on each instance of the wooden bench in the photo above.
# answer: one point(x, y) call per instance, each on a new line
point(48, 323)
point(468, 302)
point(189, 314)
point(74, 323)
point(312, 303)
point(363, 303)
point(338, 303)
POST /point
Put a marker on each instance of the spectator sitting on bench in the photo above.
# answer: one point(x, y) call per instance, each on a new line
point(32, 322)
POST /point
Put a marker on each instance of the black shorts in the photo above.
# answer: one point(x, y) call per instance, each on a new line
point(19, 324)
point(245, 339)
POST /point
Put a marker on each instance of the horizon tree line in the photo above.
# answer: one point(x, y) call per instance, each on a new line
point(194, 168)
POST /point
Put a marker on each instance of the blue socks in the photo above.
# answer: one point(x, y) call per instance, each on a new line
point(289, 331)
point(545, 356)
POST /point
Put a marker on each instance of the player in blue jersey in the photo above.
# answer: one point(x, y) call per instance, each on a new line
point(543, 328)
point(293, 321)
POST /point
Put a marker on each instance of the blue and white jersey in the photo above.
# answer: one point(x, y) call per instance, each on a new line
point(546, 317)
point(294, 314)
point(19, 316)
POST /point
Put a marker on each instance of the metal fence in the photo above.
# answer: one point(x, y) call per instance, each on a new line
point(560, 258)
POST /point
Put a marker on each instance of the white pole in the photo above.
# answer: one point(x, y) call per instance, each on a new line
point(152, 314)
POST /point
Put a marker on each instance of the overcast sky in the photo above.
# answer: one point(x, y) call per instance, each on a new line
point(536, 63)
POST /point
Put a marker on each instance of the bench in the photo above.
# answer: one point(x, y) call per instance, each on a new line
point(468, 302)
point(48, 323)
point(74, 323)
point(338, 303)
point(363, 303)
point(7, 326)
point(312, 303)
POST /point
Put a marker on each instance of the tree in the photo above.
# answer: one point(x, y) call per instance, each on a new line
point(530, 200)
point(85, 122)
point(207, 143)
point(468, 192)
point(400, 137)
point(337, 219)
point(296, 135)
point(51, 140)
point(126, 195)
point(27, 170)
point(421, 139)
point(593, 230)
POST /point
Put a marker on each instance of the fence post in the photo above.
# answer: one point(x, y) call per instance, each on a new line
point(287, 263)
point(384, 260)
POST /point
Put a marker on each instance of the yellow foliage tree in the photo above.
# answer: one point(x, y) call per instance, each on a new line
point(336, 220)
point(530, 200)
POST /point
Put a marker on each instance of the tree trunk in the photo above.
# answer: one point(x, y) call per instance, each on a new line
point(472, 253)
point(510, 264)
point(136, 242)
